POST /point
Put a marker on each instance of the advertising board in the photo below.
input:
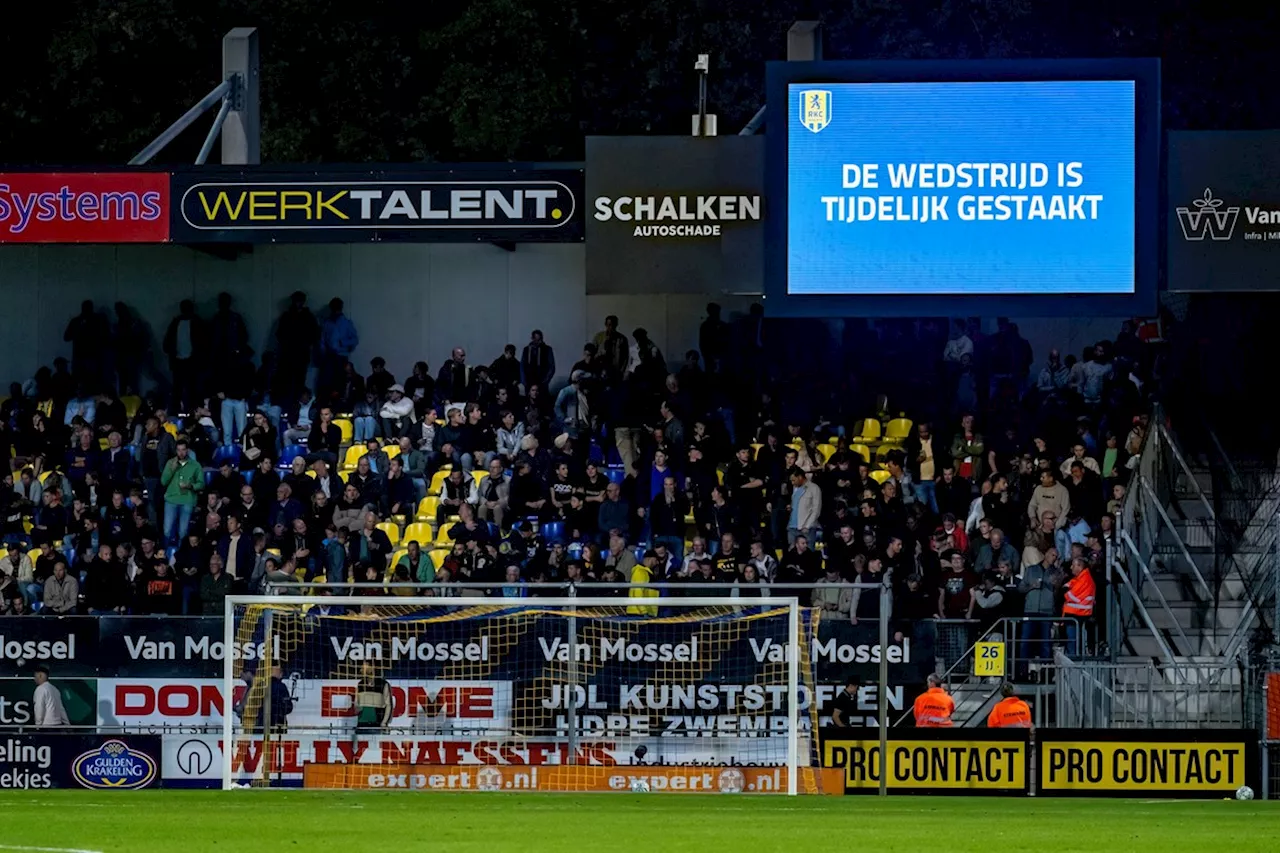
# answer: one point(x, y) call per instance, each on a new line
point(84, 207)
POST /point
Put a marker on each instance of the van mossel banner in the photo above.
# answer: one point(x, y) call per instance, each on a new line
point(325, 648)
point(410, 205)
point(1224, 210)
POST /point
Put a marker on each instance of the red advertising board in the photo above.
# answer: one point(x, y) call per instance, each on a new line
point(84, 207)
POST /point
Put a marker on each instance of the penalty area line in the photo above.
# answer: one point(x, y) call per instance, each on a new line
point(46, 849)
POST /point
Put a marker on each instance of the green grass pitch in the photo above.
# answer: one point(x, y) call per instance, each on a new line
point(405, 822)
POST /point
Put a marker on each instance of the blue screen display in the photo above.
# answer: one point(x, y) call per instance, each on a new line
point(961, 188)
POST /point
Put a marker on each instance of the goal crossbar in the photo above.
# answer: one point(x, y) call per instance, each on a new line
point(571, 603)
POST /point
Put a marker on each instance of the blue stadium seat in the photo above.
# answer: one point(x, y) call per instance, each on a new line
point(595, 454)
point(248, 475)
point(615, 474)
point(553, 531)
point(229, 452)
point(612, 457)
point(292, 452)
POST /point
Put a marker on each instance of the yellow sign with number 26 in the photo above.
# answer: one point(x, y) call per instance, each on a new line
point(988, 659)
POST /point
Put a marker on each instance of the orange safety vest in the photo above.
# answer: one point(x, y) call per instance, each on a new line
point(1011, 713)
point(1080, 593)
point(934, 708)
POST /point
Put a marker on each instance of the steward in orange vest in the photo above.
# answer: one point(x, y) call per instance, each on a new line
point(1080, 591)
point(1010, 712)
point(934, 707)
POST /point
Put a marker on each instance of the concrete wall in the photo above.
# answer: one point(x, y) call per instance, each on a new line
point(408, 301)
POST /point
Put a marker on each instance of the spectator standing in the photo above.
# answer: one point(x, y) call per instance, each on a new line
point(537, 362)
point(88, 334)
point(46, 702)
point(296, 335)
point(184, 344)
point(338, 340)
point(182, 480)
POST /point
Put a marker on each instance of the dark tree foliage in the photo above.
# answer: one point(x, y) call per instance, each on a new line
point(91, 81)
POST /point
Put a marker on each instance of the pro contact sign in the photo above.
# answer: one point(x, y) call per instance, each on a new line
point(961, 188)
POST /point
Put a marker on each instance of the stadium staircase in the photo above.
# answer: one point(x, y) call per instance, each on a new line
point(1196, 560)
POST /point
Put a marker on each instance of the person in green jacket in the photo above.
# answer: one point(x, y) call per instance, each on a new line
point(419, 564)
point(182, 479)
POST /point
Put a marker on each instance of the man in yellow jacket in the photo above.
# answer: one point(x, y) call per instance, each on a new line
point(642, 573)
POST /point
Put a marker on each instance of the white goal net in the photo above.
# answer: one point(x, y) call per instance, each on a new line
point(537, 694)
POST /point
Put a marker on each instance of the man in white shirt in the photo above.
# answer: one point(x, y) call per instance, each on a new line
point(46, 703)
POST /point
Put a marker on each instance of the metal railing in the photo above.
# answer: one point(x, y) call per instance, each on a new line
point(1096, 694)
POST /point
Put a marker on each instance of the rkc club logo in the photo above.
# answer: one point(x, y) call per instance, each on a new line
point(1207, 216)
point(815, 109)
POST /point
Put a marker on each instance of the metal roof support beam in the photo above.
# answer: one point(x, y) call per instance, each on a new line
point(188, 118)
point(212, 137)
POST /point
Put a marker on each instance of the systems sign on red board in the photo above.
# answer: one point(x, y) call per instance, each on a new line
point(84, 207)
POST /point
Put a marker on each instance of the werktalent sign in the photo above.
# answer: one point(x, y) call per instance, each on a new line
point(446, 206)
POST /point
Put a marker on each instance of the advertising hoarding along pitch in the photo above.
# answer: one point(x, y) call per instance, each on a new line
point(1182, 763)
point(954, 181)
point(420, 205)
point(84, 207)
point(931, 761)
point(98, 762)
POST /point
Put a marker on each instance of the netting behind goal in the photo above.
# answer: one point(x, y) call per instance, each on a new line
point(520, 694)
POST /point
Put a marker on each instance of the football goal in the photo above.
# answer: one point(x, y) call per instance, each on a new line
point(520, 694)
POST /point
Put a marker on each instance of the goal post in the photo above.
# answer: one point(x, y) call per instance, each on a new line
point(709, 693)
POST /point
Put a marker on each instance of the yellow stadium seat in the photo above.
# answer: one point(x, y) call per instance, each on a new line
point(44, 477)
point(419, 532)
point(392, 531)
point(897, 430)
point(344, 476)
point(172, 429)
point(103, 444)
point(868, 431)
point(862, 450)
point(478, 475)
point(880, 476)
point(392, 450)
point(427, 508)
point(395, 558)
point(438, 555)
point(131, 405)
point(795, 443)
point(354, 452)
point(755, 450)
point(311, 473)
point(345, 428)
point(443, 537)
point(437, 481)
point(34, 554)
point(275, 552)
point(827, 451)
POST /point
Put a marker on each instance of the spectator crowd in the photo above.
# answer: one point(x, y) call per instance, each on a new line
point(996, 499)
